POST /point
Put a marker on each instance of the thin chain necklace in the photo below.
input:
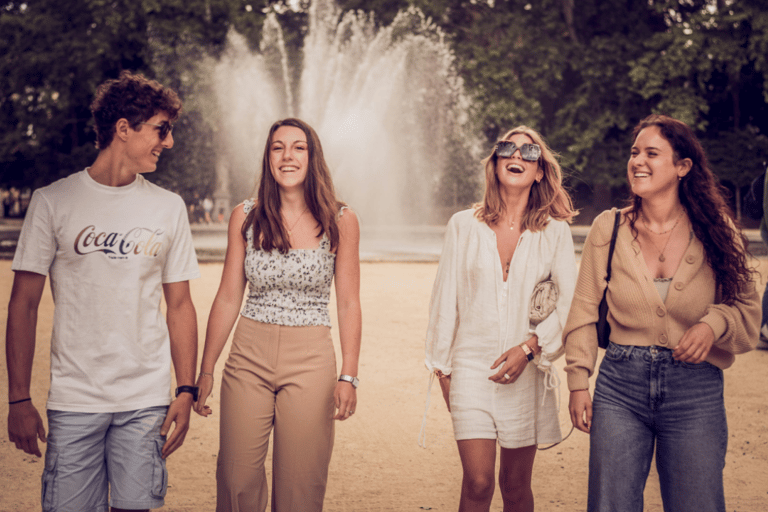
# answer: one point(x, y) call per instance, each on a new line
point(290, 230)
point(661, 252)
point(642, 216)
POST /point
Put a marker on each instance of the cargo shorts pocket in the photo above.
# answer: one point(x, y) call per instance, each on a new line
point(159, 471)
point(48, 492)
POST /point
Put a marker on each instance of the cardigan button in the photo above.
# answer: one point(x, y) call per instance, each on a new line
point(679, 285)
point(690, 258)
point(663, 339)
point(660, 311)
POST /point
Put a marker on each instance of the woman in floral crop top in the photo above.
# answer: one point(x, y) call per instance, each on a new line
point(288, 245)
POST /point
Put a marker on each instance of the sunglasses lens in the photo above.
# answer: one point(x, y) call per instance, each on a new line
point(505, 149)
point(165, 129)
point(530, 152)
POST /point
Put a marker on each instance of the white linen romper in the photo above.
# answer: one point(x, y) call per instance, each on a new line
point(475, 317)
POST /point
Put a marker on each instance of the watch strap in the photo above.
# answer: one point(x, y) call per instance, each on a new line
point(527, 350)
point(193, 390)
point(352, 380)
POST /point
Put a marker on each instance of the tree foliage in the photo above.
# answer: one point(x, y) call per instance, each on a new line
point(583, 73)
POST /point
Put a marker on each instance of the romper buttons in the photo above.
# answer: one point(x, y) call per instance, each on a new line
point(679, 285)
point(660, 311)
point(662, 339)
point(690, 258)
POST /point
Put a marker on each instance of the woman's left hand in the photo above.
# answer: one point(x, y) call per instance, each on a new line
point(345, 400)
point(514, 363)
point(695, 344)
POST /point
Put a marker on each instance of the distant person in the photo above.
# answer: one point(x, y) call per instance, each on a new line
point(113, 245)
point(289, 244)
point(481, 344)
point(681, 304)
point(5, 202)
point(208, 208)
point(755, 208)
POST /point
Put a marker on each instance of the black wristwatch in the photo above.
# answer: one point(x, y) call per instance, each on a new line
point(188, 389)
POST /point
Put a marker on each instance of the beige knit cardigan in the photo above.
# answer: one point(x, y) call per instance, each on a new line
point(638, 316)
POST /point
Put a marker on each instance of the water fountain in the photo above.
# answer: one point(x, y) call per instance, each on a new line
point(386, 102)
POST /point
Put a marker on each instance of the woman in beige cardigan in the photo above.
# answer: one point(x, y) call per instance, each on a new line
point(681, 303)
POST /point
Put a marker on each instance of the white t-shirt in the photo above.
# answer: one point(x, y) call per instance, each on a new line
point(108, 251)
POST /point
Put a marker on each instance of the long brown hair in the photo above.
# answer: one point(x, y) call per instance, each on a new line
point(712, 220)
point(265, 220)
point(547, 198)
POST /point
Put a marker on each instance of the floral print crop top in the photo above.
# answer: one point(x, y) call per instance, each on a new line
point(290, 289)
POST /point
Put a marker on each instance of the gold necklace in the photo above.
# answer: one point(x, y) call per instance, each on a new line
point(642, 216)
point(661, 252)
point(290, 230)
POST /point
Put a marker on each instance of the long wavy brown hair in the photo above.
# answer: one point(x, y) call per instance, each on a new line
point(265, 220)
point(712, 220)
point(547, 198)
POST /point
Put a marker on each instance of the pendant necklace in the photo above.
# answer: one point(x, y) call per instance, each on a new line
point(661, 252)
point(290, 230)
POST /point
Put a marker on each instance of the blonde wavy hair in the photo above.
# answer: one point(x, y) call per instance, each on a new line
point(548, 198)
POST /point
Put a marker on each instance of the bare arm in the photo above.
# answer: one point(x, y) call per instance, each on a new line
point(347, 276)
point(25, 426)
point(182, 327)
point(225, 308)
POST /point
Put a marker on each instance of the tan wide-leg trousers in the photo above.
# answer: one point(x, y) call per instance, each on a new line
point(283, 378)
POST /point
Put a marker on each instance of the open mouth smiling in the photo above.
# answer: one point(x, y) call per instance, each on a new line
point(515, 168)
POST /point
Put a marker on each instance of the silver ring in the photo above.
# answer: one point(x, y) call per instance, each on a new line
point(506, 376)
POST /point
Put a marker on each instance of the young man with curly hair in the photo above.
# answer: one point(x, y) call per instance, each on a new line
point(113, 245)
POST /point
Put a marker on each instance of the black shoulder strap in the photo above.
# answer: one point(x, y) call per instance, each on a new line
point(613, 243)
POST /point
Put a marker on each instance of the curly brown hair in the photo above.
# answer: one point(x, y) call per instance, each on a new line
point(131, 97)
point(712, 220)
point(265, 219)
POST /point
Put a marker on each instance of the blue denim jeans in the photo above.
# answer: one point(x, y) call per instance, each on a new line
point(765, 307)
point(644, 397)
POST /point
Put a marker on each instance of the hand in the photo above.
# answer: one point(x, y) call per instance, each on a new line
point(695, 344)
point(178, 413)
point(25, 427)
point(205, 383)
point(580, 407)
point(514, 363)
point(445, 386)
point(345, 400)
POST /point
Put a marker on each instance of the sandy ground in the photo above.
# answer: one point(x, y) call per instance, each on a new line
point(377, 464)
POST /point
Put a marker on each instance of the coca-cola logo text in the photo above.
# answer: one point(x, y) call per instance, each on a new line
point(137, 241)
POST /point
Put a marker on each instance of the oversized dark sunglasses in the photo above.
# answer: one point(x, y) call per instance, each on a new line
point(165, 128)
point(529, 152)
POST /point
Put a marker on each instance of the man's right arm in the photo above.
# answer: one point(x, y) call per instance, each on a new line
point(25, 426)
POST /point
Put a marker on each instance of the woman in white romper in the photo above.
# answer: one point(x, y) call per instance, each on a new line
point(480, 340)
point(280, 377)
